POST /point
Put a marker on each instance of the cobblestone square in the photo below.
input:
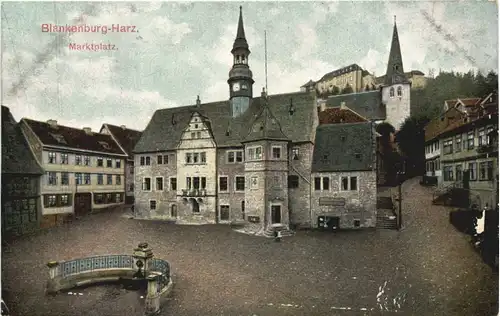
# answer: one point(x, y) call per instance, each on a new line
point(427, 269)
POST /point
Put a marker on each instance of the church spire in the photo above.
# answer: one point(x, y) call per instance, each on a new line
point(395, 71)
point(240, 41)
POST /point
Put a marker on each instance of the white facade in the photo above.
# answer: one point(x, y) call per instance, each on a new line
point(432, 160)
point(397, 101)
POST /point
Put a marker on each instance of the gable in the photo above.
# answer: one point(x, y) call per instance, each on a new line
point(196, 133)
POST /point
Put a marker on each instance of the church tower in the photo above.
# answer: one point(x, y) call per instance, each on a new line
point(396, 88)
point(240, 76)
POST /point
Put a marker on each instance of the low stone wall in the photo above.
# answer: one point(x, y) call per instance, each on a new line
point(109, 268)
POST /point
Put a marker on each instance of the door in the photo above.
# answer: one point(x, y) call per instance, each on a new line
point(275, 214)
point(173, 211)
point(333, 223)
point(83, 204)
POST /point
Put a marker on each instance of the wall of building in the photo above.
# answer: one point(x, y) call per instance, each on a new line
point(353, 78)
point(433, 159)
point(129, 178)
point(360, 204)
point(231, 197)
point(164, 198)
point(72, 187)
point(397, 107)
point(418, 81)
point(299, 199)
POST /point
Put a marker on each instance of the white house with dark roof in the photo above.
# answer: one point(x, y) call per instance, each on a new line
point(244, 160)
point(83, 170)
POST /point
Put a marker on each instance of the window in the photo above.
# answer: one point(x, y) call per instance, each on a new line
point(448, 146)
point(473, 171)
point(64, 178)
point(482, 137)
point(458, 143)
point(109, 179)
point(254, 182)
point(344, 183)
point(235, 156)
point(295, 153)
point(118, 163)
point(317, 183)
point(165, 159)
point(488, 135)
point(159, 159)
point(64, 200)
point(52, 200)
point(52, 178)
point(152, 205)
point(400, 91)
point(86, 178)
point(148, 161)
point(196, 158)
point(223, 185)
point(458, 172)
point(198, 134)
point(470, 140)
point(188, 183)
point(293, 182)
point(146, 184)
point(118, 198)
point(118, 179)
point(100, 162)
point(78, 178)
point(78, 160)
point(391, 92)
point(203, 157)
point(354, 183)
point(437, 164)
point(100, 179)
point(52, 157)
point(326, 183)
point(276, 152)
point(224, 212)
point(254, 153)
point(189, 158)
point(193, 135)
point(486, 170)
point(240, 183)
point(196, 183)
point(242, 209)
point(276, 182)
point(159, 183)
point(448, 173)
point(86, 160)
point(143, 161)
point(64, 159)
point(173, 184)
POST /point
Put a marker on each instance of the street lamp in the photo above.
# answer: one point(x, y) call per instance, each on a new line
point(400, 172)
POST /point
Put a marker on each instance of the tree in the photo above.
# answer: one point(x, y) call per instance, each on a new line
point(347, 89)
point(411, 142)
point(335, 90)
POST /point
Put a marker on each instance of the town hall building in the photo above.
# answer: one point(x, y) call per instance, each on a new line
point(250, 160)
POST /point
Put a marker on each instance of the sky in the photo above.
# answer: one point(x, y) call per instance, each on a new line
point(182, 49)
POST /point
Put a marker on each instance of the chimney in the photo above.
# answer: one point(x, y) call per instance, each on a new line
point(87, 130)
point(52, 123)
point(342, 105)
point(198, 101)
point(123, 126)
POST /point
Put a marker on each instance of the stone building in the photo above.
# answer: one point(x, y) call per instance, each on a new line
point(353, 75)
point(83, 170)
point(21, 173)
point(344, 188)
point(390, 103)
point(417, 79)
point(467, 150)
point(126, 138)
point(244, 160)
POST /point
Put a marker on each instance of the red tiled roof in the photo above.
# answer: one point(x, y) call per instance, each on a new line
point(126, 137)
point(471, 101)
point(73, 138)
point(437, 125)
point(339, 115)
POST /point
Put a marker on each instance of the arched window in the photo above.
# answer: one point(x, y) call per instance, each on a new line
point(391, 92)
point(400, 91)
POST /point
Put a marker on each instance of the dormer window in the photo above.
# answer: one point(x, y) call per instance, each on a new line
point(104, 145)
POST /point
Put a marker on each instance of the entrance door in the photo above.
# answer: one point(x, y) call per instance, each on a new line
point(275, 214)
point(83, 204)
point(173, 211)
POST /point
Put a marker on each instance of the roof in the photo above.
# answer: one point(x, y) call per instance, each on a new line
point(17, 157)
point(240, 41)
point(339, 115)
point(408, 75)
point(126, 137)
point(368, 104)
point(265, 126)
point(308, 84)
point(73, 138)
point(395, 73)
point(165, 128)
point(343, 147)
point(460, 126)
point(341, 71)
point(436, 126)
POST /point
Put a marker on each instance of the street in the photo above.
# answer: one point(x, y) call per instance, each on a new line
point(428, 268)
